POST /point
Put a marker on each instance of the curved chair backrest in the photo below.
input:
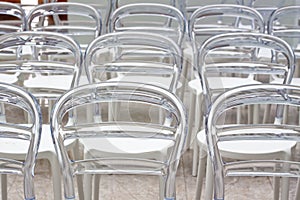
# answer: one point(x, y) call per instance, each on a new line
point(119, 3)
point(44, 57)
point(103, 6)
point(266, 8)
point(283, 23)
point(149, 17)
point(190, 6)
point(18, 130)
point(216, 19)
point(107, 135)
point(220, 130)
point(13, 18)
point(80, 21)
point(243, 55)
point(135, 54)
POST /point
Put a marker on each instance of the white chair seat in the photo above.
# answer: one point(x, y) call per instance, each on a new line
point(221, 82)
point(249, 149)
point(295, 81)
point(152, 148)
point(62, 82)
point(163, 82)
point(6, 78)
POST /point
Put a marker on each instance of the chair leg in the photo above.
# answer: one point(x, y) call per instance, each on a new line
point(298, 189)
point(195, 158)
point(208, 180)
point(169, 186)
point(285, 182)
point(86, 186)
point(191, 118)
point(4, 186)
point(56, 178)
point(201, 172)
point(96, 186)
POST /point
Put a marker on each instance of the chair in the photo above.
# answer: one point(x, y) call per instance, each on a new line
point(12, 18)
point(283, 24)
point(149, 17)
point(266, 8)
point(105, 143)
point(190, 6)
point(157, 18)
point(204, 23)
point(103, 6)
point(80, 21)
point(35, 63)
point(134, 56)
point(15, 132)
point(219, 131)
point(250, 60)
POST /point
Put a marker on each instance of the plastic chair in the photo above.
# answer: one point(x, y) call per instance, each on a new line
point(149, 17)
point(156, 18)
point(282, 23)
point(15, 132)
point(266, 8)
point(12, 18)
point(220, 131)
point(80, 21)
point(190, 6)
point(105, 143)
point(256, 64)
point(41, 70)
point(204, 23)
point(136, 57)
point(103, 6)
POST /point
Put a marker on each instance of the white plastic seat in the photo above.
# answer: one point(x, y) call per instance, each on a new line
point(44, 73)
point(113, 155)
point(261, 69)
point(278, 132)
point(25, 132)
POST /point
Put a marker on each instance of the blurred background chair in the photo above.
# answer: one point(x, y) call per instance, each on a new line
point(149, 17)
point(283, 23)
point(157, 18)
point(19, 137)
point(250, 59)
point(266, 8)
point(34, 60)
point(103, 6)
point(80, 21)
point(155, 145)
point(221, 130)
point(204, 23)
point(13, 18)
point(190, 6)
